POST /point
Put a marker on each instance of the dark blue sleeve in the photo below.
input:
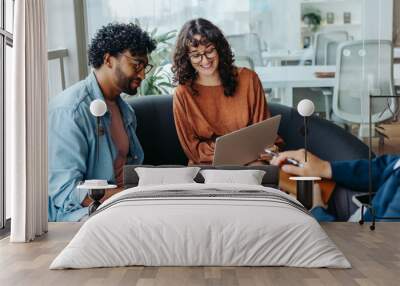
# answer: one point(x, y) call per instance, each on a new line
point(321, 214)
point(354, 174)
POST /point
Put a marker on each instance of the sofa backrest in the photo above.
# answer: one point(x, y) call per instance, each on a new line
point(156, 130)
point(157, 133)
point(325, 139)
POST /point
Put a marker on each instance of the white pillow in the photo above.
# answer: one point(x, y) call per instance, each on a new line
point(165, 176)
point(248, 177)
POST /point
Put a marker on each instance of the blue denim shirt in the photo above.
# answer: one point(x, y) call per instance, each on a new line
point(72, 147)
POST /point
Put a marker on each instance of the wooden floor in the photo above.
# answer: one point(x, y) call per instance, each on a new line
point(375, 256)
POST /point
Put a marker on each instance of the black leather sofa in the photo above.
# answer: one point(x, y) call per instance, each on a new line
point(157, 134)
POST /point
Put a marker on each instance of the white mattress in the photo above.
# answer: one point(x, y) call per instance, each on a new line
point(200, 231)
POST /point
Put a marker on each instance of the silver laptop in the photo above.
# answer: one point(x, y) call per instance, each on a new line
point(245, 145)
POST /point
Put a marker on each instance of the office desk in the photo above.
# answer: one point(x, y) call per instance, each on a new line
point(289, 77)
point(277, 57)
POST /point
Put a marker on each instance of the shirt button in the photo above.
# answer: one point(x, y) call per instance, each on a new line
point(135, 157)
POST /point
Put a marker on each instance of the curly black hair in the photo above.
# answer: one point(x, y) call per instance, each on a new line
point(184, 73)
point(115, 38)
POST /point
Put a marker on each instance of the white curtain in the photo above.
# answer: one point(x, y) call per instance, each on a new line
point(26, 117)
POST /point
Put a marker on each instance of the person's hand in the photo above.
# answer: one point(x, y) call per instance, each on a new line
point(108, 193)
point(267, 157)
point(314, 166)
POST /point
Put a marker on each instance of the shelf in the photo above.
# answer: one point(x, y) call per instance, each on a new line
point(340, 25)
point(332, 26)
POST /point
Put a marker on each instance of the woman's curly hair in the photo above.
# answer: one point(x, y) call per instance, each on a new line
point(184, 73)
point(115, 38)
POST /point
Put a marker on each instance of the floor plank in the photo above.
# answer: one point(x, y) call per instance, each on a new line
point(375, 257)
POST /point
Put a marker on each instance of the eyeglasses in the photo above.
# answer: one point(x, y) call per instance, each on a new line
point(198, 57)
point(139, 65)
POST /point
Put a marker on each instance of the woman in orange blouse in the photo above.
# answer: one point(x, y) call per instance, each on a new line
point(213, 97)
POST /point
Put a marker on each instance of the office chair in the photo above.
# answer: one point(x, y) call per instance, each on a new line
point(244, 61)
point(364, 68)
point(325, 45)
point(247, 45)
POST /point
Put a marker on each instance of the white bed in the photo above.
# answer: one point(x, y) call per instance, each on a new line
point(185, 230)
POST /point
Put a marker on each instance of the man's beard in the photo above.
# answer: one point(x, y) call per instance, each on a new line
point(124, 83)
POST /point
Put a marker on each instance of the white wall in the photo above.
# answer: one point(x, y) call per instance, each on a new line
point(280, 27)
point(61, 35)
point(166, 15)
point(378, 19)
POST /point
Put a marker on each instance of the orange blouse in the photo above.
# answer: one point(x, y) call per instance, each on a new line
point(200, 119)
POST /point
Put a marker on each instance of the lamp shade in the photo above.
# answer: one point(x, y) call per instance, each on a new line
point(305, 107)
point(98, 107)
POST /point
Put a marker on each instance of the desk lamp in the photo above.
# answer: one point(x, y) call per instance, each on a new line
point(305, 184)
point(306, 109)
point(96, 188)
point(98, 108)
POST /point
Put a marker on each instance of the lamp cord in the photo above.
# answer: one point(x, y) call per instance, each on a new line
point(97, 137)
point(305, 138)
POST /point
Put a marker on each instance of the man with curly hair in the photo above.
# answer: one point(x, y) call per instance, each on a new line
point(118, 54)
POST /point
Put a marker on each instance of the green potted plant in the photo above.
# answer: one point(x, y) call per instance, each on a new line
point(312, 18)
point(159, 80)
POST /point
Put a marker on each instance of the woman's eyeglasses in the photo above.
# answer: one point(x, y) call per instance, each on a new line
point(198, 57)
point(139, 65)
